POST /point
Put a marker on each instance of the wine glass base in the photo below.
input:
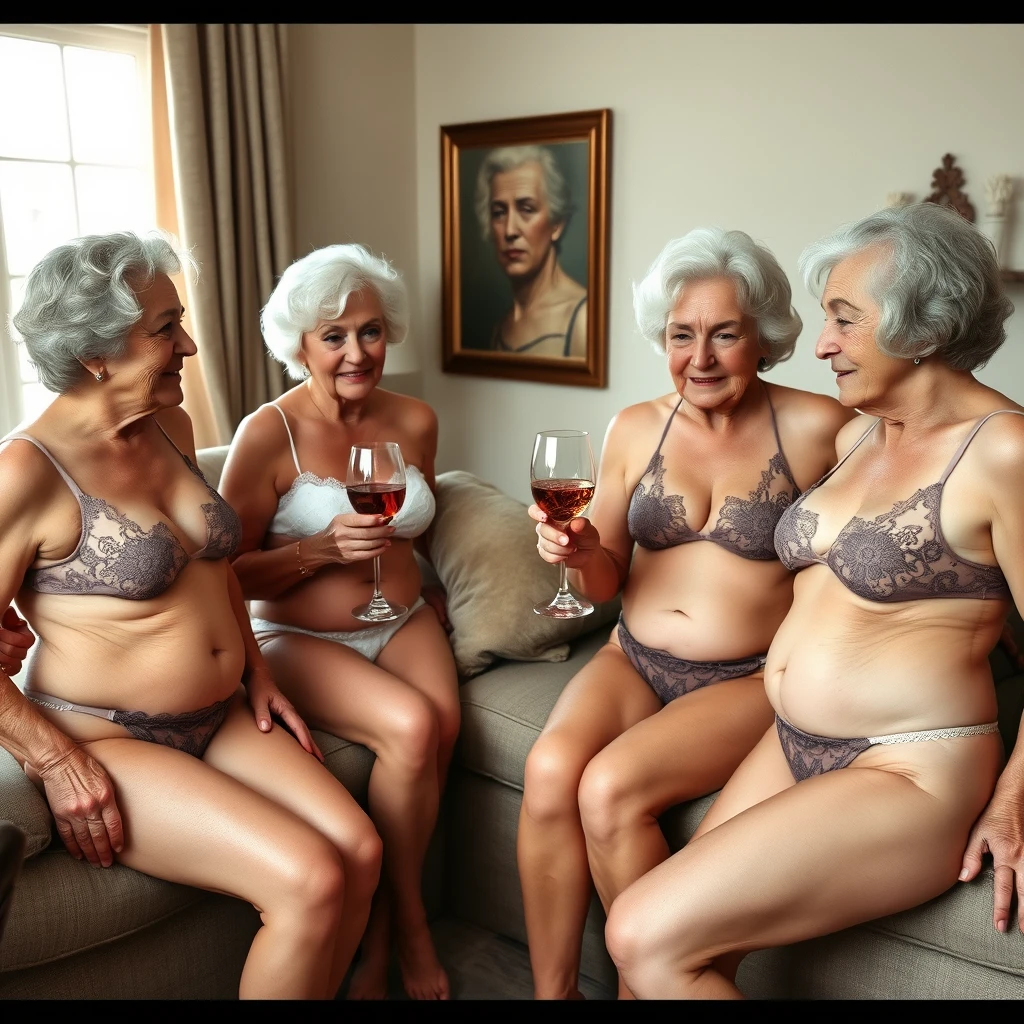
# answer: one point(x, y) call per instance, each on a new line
point(378, 610)
point(564, 606)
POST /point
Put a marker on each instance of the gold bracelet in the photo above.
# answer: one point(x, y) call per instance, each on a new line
point(303, 571)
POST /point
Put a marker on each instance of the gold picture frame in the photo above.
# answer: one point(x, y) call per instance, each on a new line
point(525, 248)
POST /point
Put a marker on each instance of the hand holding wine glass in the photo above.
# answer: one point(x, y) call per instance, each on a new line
point(562, 479)
point(376, 486)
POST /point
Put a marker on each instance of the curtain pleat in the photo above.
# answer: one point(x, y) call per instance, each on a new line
point(228, 132)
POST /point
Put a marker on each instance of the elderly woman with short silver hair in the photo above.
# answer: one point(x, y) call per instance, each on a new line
point(147, 710)
point(697, 479)
point(524, 207)
point(306, 560)
point(881, 781)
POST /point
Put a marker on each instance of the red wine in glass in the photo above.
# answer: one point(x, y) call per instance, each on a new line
point(376, 486)
point(562, 479)
point(377, 499)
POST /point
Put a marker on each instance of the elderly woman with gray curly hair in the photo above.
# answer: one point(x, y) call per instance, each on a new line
point(882, 780)
point(305, 561)
point(147, 714)
point(697, 480)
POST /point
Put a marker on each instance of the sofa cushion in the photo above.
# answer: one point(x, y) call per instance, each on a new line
point(23, 805)
point(211, 463)
point(484, 549)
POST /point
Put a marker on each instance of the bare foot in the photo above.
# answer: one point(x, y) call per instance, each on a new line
point(422, 974)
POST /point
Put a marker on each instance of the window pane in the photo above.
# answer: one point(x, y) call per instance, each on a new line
point(38, 206)
point(33, 118)
point(103, 99)
point(113, 199)
point(34, 399)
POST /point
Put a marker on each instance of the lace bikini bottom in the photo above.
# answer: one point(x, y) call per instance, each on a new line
point(810, 755)
point(670, 677)
point(190, 731)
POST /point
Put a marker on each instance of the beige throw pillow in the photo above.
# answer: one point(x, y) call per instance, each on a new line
point(484, 549)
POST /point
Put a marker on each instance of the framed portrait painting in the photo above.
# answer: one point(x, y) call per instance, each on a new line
point(525, 247)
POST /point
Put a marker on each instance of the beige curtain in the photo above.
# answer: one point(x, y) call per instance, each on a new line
point(225, 111)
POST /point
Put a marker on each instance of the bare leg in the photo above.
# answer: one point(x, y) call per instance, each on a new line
point(687, 749)
point(187, 822)
point(420, 655)
point(782, 862)
point(338, 690)
point(601, 701)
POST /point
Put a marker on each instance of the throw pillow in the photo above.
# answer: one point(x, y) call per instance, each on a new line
point(484, 549)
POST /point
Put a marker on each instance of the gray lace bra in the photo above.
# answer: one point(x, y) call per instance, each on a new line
point(115, 557)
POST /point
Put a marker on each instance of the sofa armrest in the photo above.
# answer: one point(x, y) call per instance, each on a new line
point(23, 806)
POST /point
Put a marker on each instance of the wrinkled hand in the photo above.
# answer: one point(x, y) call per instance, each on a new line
point(575, 544)
point(437, 599)
point(267, 700)
point(15, 640)
point(352, 537)
point(1000, 831)
point(81, 798)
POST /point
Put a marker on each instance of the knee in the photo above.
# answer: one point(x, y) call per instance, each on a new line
point(362, 856)
point(606, 799)
point(315, 882)
point(412, 736)
point(551, 780)
point(628, 938)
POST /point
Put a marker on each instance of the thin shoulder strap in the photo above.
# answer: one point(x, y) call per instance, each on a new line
point(291, 441)
point(860, 440)
point(184, 457)
point(664, 433)
point(778, 439)
point(970, 437)
point(572, 324)
point(75, 489)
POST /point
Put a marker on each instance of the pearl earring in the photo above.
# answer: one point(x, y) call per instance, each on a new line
point(99, 376)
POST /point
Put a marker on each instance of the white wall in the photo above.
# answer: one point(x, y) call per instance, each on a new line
point(784, 131)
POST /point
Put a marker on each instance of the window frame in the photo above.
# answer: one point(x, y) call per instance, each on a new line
point(133, 39)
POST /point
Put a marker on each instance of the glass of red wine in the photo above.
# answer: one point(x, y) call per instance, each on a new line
point(376, 486)
point(562, 480)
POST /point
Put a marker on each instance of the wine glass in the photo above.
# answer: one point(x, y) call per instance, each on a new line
point(376, 485)
point(562, 480)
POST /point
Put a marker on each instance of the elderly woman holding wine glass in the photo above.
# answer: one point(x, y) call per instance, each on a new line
point(696, 480)
point(333, 483)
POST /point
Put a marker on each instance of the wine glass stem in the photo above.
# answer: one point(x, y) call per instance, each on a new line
point(563, 585)
point(376, 577)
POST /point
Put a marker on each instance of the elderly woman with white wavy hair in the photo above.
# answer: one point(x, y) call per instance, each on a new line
point(147, 714)
point(697, 480)
point(305, 561)
point(523, 206)
point(881, 781)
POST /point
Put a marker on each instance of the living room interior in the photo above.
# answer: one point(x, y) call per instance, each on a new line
point(784, 131)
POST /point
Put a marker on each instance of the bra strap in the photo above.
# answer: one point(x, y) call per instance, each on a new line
point(291, 442)
point(75, 489)
point(970, 437)
point(860, 440)
point(664, 433)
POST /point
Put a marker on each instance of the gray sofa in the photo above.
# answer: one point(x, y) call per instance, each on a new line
point(78, 932)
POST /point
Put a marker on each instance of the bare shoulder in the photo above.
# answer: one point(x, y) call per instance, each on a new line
point(809, 413)
point(27, 478)
point(635, 429)
point(415, 416)
point(261, 434)
point(999, 447)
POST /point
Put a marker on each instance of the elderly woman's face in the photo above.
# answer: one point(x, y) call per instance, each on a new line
point(711, 344)
point(345, 356)
point(863, 372)
point(157, 348)
point(521, 221)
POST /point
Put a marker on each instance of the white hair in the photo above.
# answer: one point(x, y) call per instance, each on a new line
point(937, 283)
point(80, 300)
point(507, 158)
point(316, 288)
point(762, 288)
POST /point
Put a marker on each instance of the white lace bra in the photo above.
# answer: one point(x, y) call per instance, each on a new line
point(313, 501)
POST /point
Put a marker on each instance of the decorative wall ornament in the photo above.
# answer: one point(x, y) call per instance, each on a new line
point(946, 190)
point(998, 191)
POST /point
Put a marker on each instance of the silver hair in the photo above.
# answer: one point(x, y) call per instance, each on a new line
point(762, 288)
point(937, 283)
point(316, 287)
point(507, 158)
point(80, 300)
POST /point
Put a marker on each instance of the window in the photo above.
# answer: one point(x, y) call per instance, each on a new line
point(75, 159)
